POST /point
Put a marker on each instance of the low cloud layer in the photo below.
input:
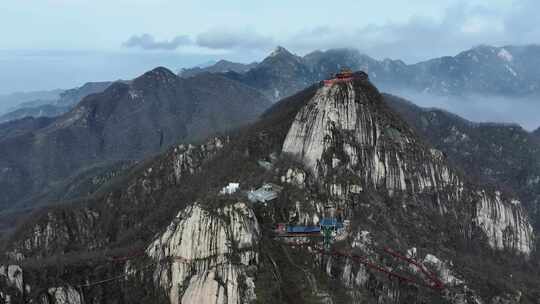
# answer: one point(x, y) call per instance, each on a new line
point(479, 108)
point(234, 39)
point(215, 39)
point(148, 42)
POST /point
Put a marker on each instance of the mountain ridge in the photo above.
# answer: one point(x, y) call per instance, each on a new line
point(221, 66)
point(485, 70)
point(125, 122)
point(499, 154)
point(58, 104)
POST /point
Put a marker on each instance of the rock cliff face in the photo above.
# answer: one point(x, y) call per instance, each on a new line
point(346, 130)
point(60, 231)
point(504, 222)
point(62, 295)
point(204, 257)
point(13, 289)
point(11, 283)
point(188, 159)
point(338, 129)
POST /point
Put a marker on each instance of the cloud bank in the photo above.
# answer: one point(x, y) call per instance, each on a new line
point(148, 42)
point(462, 26)
point(480, 108)
point(234, 39)
point(215, 39)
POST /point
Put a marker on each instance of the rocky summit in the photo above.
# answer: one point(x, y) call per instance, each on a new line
point(330, 197)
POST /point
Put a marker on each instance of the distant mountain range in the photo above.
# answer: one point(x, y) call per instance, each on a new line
point(222, 66)
point(487, 70)
point(72, 96)
point(10, 102)
point(127, 121)
point(46, 110)
point(58, 103)
point(484, 70)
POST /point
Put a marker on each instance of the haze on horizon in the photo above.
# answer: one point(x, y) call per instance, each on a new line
point(50, 44)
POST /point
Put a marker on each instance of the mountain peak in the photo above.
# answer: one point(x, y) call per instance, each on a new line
point(223, 61)
point(157, 75)
point(485, 49)
point(160, 73)
point(279, 50)
point(281, 55)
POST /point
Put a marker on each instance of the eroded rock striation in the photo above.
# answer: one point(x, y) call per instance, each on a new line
point(346, 135)
point(204, 256)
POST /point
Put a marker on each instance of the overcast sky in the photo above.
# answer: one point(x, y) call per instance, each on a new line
point(62, 43)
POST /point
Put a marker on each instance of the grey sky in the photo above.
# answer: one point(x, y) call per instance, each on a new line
point(72, 41)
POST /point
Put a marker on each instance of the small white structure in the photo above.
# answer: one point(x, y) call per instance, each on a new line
point(230, 188)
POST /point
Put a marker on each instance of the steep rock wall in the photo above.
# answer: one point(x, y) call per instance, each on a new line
point(62, 295)
point(506, 226)
point(205, 257)
point(14, 289)
point(11, 283)
point(59, 231)
point(342, 127)
point(188, 159)
point(346, 136)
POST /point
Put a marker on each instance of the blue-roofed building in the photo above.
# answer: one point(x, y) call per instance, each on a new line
point(330, 223)
point(303, 229)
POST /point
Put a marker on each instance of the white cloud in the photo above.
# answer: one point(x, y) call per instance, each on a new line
point(234, 39)
point(461, 26)
point(148, 42)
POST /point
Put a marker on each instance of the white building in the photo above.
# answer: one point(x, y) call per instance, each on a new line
point(230, 188)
